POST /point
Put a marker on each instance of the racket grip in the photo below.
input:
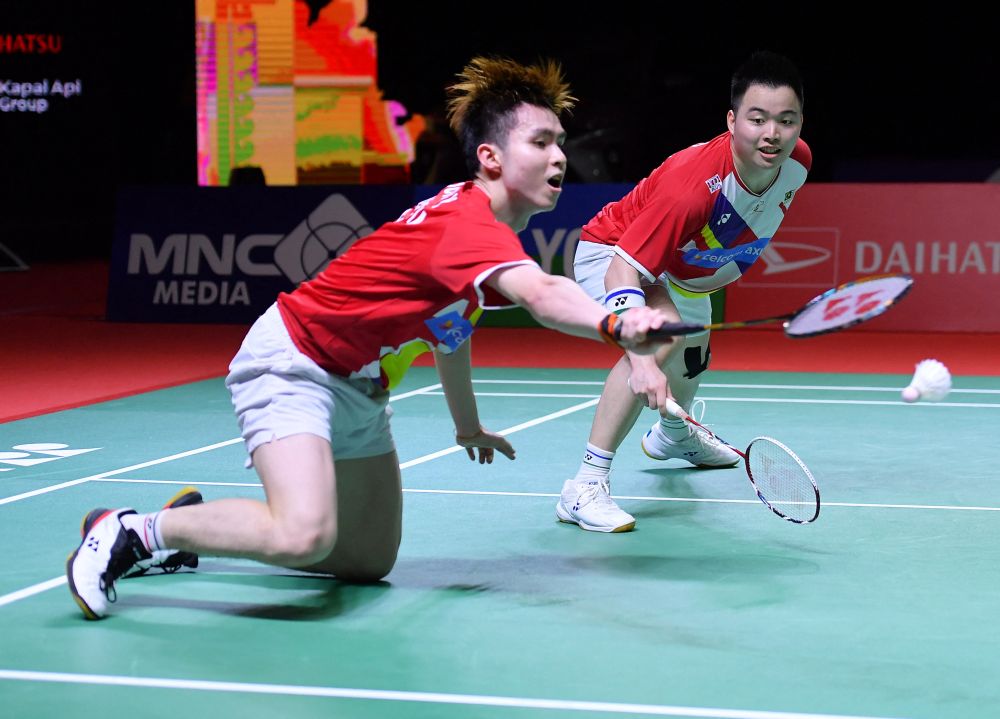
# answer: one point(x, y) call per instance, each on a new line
point(675, 410)
point(673, 329)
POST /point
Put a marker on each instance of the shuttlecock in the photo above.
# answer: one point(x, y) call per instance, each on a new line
point(931, 381)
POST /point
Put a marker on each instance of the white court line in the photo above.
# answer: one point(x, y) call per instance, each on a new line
point(430, 389)
point(504, 432)
point(868, 402)
point(529, 394)
point(705, 500)
point(102, 475)
point(177, 481)
point(498, 493)
point(414, 393)
point(32, 590)
point(419, 697)
point(769, 400)
point(57, 581)
point(161, 460)
point(726, 385)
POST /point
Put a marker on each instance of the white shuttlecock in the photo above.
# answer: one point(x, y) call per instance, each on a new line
point(931, 381)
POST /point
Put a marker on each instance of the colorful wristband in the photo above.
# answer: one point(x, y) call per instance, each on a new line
point(610, 330)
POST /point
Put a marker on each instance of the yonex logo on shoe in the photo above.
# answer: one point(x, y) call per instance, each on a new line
point(28, 455)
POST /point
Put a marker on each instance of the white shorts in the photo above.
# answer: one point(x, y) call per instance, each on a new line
point(277, 391)
point(591, 265)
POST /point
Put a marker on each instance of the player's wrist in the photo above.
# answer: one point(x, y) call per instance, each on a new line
point(610, 330)
point(467, 433)
point(622, 299)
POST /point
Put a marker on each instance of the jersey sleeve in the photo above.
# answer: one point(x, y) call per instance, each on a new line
point(802, 154)
point(471, 253)
point(660, 228)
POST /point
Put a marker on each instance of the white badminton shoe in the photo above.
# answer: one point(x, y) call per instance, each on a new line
point(699, 448)
point(167, 561)
point(588, 504)
point(107, 552)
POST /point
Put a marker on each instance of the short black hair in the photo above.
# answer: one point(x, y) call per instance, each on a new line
point(768, 69)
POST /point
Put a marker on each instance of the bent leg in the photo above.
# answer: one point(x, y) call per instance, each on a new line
point(369, 519)
point(619, 408)
point(295, 527)
point(684, 368)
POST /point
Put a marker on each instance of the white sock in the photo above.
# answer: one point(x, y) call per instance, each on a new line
point(147, 526)
point(673, 428)
point(596, 464)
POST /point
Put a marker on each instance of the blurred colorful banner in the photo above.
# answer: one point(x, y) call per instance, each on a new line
point(292, 90)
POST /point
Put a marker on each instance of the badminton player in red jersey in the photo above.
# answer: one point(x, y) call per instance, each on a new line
point(311, 381)
point(690, 228)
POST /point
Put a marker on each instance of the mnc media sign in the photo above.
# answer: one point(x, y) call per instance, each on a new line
point(224, 254)
point(211, 254)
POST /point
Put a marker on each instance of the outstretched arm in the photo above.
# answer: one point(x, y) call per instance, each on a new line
point(561, 304)
point(455, 372)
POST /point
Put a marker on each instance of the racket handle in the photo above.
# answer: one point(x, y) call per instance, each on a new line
point(676, 410)
point(674, 329)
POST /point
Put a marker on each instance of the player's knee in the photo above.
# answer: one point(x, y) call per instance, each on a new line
point(372, 567)
point(307, 543)
point(365, 574)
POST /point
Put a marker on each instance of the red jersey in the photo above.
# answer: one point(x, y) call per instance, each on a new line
point(413, 285)
point(695, 220)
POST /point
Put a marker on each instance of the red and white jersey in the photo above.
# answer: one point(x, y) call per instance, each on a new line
point(695, 220)
point(413, 285)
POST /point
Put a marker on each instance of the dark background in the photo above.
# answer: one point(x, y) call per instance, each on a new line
point(889, 98)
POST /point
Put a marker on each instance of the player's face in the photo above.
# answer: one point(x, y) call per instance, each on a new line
point(533, 162)
point(765, 128)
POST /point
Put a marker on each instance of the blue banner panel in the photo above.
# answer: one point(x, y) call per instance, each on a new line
point(551, 237)
point(206, 254)
point(223, 254)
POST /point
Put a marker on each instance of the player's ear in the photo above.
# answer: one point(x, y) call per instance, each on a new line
point(489, 158)
point(731, 121)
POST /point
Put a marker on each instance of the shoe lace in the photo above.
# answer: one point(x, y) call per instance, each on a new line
point(598, 493)
point(126, 551)
point(706, 435)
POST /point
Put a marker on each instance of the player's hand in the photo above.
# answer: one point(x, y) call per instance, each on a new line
point(648, 382)
point(634, 325)
point(487, 443)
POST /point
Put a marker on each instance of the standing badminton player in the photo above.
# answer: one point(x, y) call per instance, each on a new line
point(690, 228)
point(310, 383)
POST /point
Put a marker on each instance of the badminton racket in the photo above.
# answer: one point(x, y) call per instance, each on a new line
point(780, 479)
point(844, 306)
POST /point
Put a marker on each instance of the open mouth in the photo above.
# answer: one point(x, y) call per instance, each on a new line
point(555, 182)
point(770, 151)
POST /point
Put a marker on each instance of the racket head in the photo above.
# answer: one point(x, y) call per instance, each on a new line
point(848, 304)
point(782, 481)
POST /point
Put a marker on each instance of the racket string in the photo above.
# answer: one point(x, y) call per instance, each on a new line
point(782, 480)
